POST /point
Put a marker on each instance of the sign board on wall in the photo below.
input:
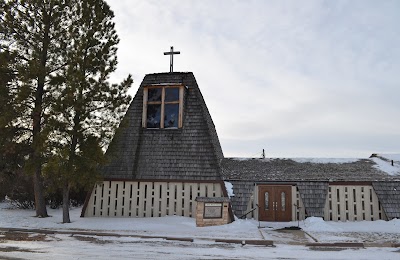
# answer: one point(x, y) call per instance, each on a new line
point(212, 210)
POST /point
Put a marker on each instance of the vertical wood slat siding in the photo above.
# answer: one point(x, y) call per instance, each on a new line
point(352, 203)
point(157, 195)
point(140, 200)
point(148, 199)
point(164, 195)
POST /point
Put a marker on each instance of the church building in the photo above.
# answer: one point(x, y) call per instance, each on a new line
point(167, 153)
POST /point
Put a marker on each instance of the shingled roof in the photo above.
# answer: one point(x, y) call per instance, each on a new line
point(275, 169)
point(192, 152)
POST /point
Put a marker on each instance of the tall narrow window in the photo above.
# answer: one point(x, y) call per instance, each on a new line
point(162, 106)
point(266, 198)
point(283, 201)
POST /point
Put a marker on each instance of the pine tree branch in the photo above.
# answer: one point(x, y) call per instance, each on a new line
point(17, 33)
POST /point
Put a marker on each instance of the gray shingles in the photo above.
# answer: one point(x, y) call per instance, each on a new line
point(389, 196)
point(313, 195)
point(190, 153)
point(243, 191)
point(290, 170)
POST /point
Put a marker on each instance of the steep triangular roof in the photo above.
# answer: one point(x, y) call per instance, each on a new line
point(192, 152)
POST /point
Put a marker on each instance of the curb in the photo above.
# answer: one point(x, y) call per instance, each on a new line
point(244, 242)
point(340, 244)
point(186, 239)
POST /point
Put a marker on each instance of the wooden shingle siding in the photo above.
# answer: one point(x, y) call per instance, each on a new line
point(389, 196)
point(148, 199)
point(242, 202)
point(192, 152)
point(313, 196)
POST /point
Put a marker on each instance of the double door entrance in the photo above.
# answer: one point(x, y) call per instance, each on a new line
point(275, 202)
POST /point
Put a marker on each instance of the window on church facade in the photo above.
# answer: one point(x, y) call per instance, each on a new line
point(162, 106)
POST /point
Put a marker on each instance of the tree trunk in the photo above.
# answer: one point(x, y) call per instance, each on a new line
point(66, 218)
point(40, 203)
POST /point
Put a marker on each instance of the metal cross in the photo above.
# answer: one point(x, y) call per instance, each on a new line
point(171, 60)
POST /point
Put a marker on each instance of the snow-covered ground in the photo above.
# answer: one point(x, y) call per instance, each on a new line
point(66, 246)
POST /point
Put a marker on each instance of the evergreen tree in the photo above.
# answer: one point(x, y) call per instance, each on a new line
point(36, 31)
point(11, 151)
point(13, 183)
point(66, 110)
point(87, 108)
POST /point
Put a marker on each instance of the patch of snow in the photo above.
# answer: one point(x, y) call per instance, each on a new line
point(325, 160)
point(229, 189)
point(387, 166)
point(318, 224)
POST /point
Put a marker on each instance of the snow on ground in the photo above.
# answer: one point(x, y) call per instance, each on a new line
point(64, 246)
point(171, 225)
point(67, 247)
point(183, 226)
point(318, 224)
point(133, 248)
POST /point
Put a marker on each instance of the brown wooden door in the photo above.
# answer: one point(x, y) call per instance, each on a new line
point(275, 203)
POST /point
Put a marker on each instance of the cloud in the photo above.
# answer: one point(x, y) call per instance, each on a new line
point(305, 78)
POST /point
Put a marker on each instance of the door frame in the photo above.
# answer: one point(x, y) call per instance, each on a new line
point(277, 189)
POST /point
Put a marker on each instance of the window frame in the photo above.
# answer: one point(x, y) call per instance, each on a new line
point(163, 103)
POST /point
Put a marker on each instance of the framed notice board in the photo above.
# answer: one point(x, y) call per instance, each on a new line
point(213, 210)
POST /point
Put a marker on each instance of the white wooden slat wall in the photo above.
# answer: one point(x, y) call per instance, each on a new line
point(352, 203)
point(148, 199)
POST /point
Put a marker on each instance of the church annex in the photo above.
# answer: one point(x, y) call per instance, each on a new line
point(278, 189)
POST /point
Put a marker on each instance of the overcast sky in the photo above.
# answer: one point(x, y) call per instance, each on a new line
point(296, 78)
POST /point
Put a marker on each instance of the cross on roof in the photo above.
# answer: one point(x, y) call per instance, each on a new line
point(171, 60)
